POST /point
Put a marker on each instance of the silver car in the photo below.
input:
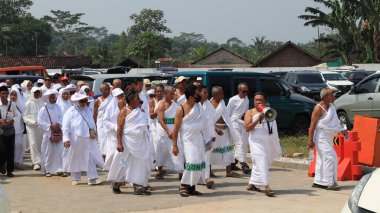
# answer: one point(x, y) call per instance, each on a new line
point(363, 99)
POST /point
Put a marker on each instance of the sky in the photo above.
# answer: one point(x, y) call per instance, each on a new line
point(217, 20)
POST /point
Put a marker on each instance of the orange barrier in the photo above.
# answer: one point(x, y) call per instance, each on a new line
point(347, 152)
point(369, 134)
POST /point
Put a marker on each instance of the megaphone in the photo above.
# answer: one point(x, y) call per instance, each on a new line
point(269, 113)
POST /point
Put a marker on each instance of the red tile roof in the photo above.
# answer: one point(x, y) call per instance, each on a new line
point(47, 62)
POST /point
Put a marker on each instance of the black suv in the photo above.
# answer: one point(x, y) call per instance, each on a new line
point(357, 75)
point(307, 83)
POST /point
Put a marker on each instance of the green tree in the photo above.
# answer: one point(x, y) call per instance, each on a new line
point(11, 11)
point(147, 45)
point(119, 48)
point(148, 21)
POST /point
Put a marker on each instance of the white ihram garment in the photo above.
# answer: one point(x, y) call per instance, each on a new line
point(236, 108)
point(264, 148)
point(51, 153)
point(34, 133)
point(326, 167)
point(134, 163)
point(181, 99)
point(223, 148)
point(83, 154)
point(163, 144)
point(193, 133)
point(102, 131)
point(110, 123)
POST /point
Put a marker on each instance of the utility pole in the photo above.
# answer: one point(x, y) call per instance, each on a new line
point(36, 38)
point(5, 30)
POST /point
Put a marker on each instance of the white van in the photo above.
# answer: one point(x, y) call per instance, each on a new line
point(337, 81)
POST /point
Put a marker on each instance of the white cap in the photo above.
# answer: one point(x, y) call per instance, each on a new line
point(50, 92)
point(82, 88)
point(70, 87)
point(180, 79)
point(116, 92)
point(147, 81)
point(40, 81)
point(34, 89)
point(57, 86)
point(199, 78)
point(78, 96)
point(3, 84)
point(150, 92)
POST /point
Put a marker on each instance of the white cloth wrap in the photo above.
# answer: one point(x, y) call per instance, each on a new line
point(102, 131)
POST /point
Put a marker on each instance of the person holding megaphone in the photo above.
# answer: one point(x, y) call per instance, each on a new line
point(264, 143)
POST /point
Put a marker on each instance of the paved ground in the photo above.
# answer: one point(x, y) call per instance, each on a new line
point(31, 192)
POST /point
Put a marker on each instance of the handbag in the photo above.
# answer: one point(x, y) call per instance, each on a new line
point(55, 136)
point(7, 130)
point(93, 133)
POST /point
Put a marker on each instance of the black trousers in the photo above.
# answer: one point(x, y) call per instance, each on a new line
point(7, 152)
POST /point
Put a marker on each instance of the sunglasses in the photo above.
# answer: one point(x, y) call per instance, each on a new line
point(152, 96)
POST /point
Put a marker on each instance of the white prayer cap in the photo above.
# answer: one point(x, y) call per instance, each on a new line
point(70, 87)
point(116, 92)
point(150, 92)
point(199, 78)
point(40, 81)
point(3, 84)
point(56, 86)
point(35, 89)
point(50, 92)
point(78, 96)
point(180, 79)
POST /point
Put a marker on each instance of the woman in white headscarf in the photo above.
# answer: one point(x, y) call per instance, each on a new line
point(63, 99)
point(82, 151)
point(16, 97)
point(27, 88)
point(50, 120)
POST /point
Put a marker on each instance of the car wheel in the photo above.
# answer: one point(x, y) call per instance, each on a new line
point(343, 118)
point(301, 124)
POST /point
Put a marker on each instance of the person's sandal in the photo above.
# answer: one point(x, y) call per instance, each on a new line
point(270, 193)
point(183, 191)
point(232, 174)
point(254, 188)
point(159, 176)
point(209, 183)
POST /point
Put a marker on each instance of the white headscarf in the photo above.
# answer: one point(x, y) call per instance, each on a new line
point(20, 101)
point(63, 104)
point(24, 87)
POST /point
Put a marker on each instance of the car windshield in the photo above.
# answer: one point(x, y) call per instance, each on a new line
point(333, 77)
point(310, 78)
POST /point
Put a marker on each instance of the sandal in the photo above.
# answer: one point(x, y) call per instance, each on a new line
point(232, 174)
point(195, 193)
point(253, 188)
point(183, 191)
point(209, 183)
point(159, 176)
point(270, 193)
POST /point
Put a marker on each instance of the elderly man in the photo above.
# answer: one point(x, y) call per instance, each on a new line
point(179, 96)
point(223, 149)
point(236, 108)
point(164, 132)
point(100, 107)
point(50, 120)
point(116, 83)
point(324, 126)
point(32, 108)
point(191, 127)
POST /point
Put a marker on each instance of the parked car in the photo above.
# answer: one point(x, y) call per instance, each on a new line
point(365, 197)
point(336, 80)
point(18, 79)
point(363, 99)
point(24, 70)
point(306, 83)
point(294, 110)
point(357, 75)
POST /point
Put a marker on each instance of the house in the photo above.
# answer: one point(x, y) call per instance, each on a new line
point(48, 62)
point(289, 55)
point(221, 58)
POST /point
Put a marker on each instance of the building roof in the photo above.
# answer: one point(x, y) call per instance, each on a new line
point(287, 45)
point(221, 62)
point(48, 62)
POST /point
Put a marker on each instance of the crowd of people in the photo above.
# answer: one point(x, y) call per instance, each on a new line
point(130, 131)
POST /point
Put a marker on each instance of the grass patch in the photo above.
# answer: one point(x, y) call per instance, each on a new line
point(294, 144)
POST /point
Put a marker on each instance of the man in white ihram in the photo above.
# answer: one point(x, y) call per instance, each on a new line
point(324, 126)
